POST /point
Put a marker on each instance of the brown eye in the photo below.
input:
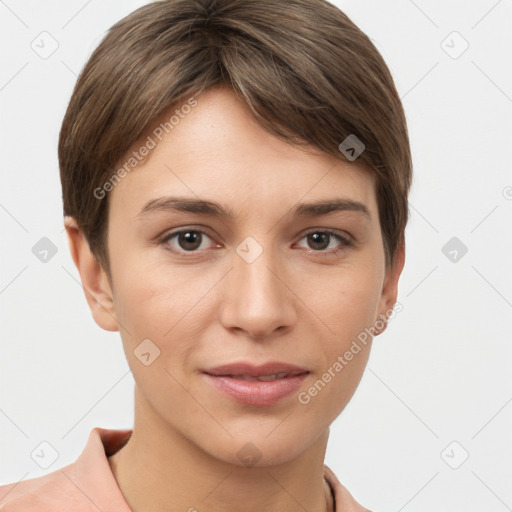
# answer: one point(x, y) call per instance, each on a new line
point(187, 240)
point(320, 240)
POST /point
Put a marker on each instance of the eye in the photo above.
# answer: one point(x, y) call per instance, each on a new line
point(319, 240)
point(187, 240)
point(194, 240)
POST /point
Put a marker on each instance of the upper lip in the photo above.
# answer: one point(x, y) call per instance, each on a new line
point(250, 370)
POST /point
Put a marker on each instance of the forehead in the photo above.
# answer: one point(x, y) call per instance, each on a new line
point(217, 150)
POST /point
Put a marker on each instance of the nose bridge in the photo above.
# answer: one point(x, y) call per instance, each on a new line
point(257, 301)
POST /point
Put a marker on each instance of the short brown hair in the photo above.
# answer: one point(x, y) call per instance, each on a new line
point(307, 72)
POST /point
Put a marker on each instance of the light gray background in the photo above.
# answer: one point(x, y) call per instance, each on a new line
point(440, 373)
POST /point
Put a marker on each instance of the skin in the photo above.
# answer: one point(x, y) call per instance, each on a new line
point(208, 306)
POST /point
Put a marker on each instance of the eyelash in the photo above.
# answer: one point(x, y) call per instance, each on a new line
point(347, 242)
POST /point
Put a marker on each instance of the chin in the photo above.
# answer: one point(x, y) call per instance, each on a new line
point(259, 449)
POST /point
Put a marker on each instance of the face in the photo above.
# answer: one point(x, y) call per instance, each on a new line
point(272, 280)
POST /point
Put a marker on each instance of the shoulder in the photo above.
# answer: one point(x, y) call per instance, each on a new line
point(85, 485)
point(42, 493)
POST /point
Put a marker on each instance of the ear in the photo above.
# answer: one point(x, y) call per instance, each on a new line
point(390, 290)
point(94, 279)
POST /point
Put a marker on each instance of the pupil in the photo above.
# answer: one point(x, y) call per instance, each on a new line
point(317, 236)
point(190, 237)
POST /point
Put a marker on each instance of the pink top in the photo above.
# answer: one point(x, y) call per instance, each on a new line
point(88, 484)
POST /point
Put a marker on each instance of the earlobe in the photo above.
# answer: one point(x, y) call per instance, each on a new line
point(98, 292)
point(390, 291)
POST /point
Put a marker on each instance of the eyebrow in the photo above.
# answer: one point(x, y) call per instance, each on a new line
point(192, 205)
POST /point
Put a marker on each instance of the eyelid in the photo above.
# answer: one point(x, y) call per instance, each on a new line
point(346, 240)
point(171, 234)
point(342, 234)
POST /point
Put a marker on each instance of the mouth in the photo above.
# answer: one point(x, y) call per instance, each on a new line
point(262, 385)
point(261, 378)
point(266, 371)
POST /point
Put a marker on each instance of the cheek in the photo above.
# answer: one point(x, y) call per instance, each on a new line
point(346, 302)
point(151, 308)
point(347, 305)
point(167, 305)
point(330, 393)
point(146, 295)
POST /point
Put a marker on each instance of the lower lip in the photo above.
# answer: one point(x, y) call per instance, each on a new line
point(256, 392)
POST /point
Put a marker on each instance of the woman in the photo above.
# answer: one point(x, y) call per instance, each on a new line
point(235, 176)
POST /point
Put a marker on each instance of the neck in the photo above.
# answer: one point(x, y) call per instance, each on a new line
point(160, 469)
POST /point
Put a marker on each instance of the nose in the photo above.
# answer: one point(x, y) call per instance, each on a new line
point(257, 297)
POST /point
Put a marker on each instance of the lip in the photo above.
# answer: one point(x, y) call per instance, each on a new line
point(228, 379)
point(250, 370)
